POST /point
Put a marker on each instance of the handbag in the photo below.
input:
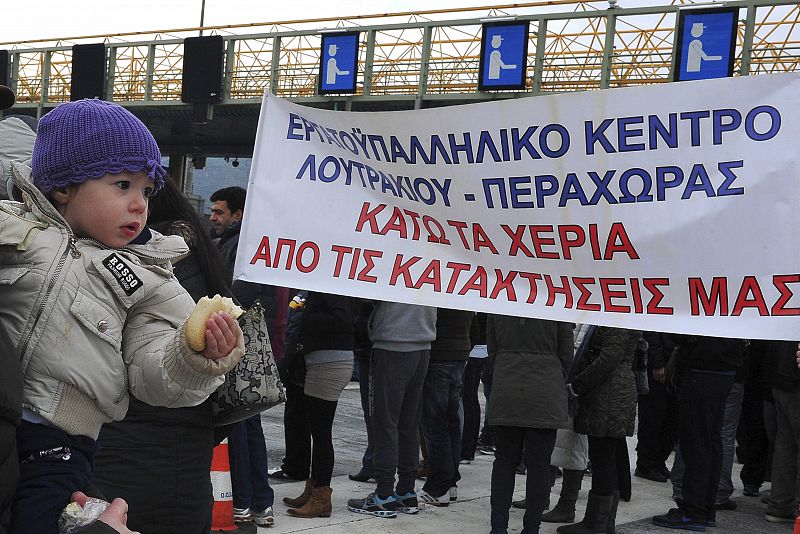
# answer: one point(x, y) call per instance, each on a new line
point(253, 385)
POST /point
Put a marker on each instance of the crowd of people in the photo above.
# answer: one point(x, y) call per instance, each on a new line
point(102, 259)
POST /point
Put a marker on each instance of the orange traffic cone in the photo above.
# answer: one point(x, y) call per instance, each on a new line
point(222, 514)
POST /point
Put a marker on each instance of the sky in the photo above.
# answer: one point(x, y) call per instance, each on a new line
point(68, 18)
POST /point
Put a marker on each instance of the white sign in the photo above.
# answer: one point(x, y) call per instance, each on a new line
point(668, 208)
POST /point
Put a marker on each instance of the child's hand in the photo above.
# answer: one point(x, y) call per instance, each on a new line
point(222, 334)
point(115, 516)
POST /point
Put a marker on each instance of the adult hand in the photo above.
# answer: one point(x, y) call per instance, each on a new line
point(115, 516)
point(222, 335)
point(797, 354)
point(660, 375)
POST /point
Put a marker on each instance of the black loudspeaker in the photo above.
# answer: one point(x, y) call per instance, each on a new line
point(4, 78)
point(203, 59)
point(88, 71)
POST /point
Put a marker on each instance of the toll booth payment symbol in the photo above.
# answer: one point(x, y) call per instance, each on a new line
point(338, 66)
point(706, 43)
point(504, 50)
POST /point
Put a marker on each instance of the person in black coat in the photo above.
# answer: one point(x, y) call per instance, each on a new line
point(707, 371)
point(159, 459)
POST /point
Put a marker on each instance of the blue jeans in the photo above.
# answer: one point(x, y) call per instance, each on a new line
point(362, 364)
point(442, 423)
point(248, 456)
point(733, 409)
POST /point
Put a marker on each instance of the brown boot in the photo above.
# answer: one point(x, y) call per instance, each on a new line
point(302, 499)
point(319, 505)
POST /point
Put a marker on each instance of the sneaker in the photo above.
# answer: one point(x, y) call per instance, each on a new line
point(521, 504)
point(407, 503)
point(776, 518)
point(242, 515)
point(726, 505)
point(264, 518)
point(751, 490)
point(453, 494)
point(374, 505)
point(427, 498)
point(675, 519)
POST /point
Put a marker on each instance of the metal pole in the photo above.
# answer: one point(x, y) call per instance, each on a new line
point(747, 45)
point(538, 61)
point(368, 62)
point(423, 67)
point(608, 50)
point(202, 16)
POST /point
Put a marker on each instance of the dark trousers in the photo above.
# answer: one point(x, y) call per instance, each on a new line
point(623, 462)
point(603, 453)
point(158, 459)
point(295, 433)
point(538, 444)
point(396, 380)
point(442, 420)
point(319, 416)
point(472, 407)
point(702, 412)
point(785, 473)
point(248, 457)
point(658, 428)
point(53, 465)
point(754, 450)
point(362, 364)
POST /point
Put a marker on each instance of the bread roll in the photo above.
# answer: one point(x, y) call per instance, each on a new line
point(196, 323)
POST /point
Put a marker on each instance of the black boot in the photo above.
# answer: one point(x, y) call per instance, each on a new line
point(612, 515)
point(564, 510)
point(596, 519)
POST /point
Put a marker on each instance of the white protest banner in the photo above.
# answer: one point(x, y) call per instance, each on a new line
point(669, 208)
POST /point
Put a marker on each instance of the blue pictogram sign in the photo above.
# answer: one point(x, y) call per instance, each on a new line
point(339, 63)
point(706, 43)
point(504, 56)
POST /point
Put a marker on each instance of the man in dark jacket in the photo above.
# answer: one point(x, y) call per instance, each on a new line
point(786, 392)
point(708, 368)
point(442, 409)
point(252, 495)
point(658, 414)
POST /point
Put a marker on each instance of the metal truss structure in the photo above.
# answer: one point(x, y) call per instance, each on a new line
point(431, 55)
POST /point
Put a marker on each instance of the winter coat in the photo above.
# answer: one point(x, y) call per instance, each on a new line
point(273, 299)
point(452, 341)
point(328, 322)
point(530, 358)
point(93, 324)
point(606, 385)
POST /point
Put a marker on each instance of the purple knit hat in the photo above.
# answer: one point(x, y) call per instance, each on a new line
point(89, 139)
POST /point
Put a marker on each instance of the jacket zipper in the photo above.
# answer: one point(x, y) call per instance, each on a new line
point(71, 248)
